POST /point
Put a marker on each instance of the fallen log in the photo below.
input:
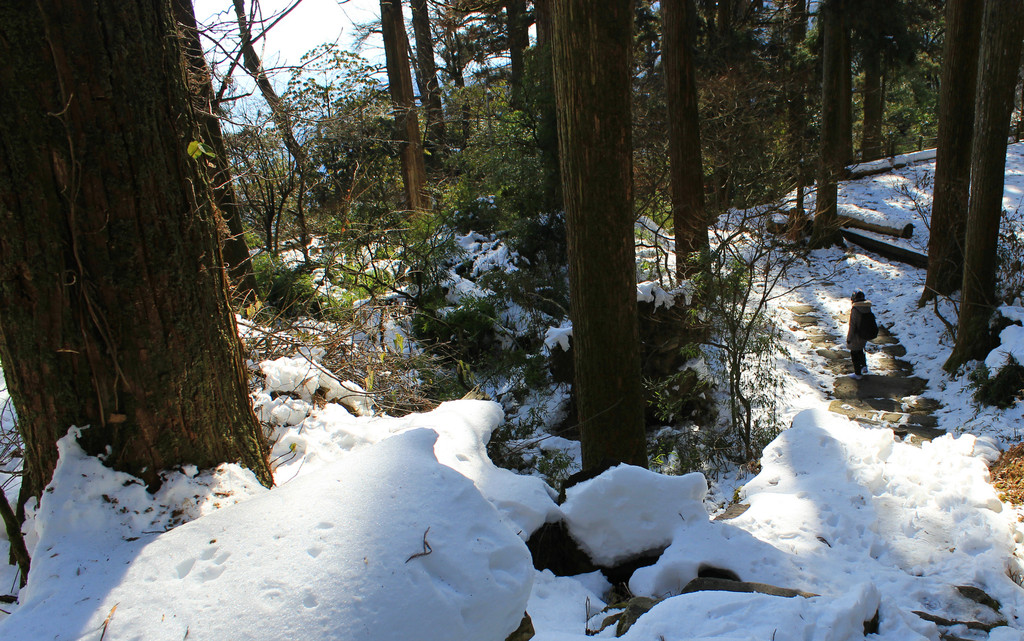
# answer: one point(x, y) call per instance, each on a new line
point(701, 584)
point(897, 232)
point(892, 252)
point(885, 165)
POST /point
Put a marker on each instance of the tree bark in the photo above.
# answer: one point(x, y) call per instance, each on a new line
point(845, 83)
point(825, 231)
point(235, 249)
point(407, 127)
point(544, 26)
point(685, 160)
point(430, 95)
point(114, 300)
point(953, 155)
point(547, 119)
point(797, 106)
point(874, 106)
point(593, 70)
point(1002, 30)
point(518, 41)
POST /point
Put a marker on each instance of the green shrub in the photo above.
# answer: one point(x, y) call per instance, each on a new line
point(1003, 389)
point(289, 290)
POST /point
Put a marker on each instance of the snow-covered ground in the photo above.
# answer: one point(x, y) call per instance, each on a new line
point(401, 528)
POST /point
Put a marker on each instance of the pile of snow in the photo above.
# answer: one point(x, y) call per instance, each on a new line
point(1011, 340)
point(402, 528)
point(647, 508)
point(839, 510)
point(386, 544)
point(291, 382)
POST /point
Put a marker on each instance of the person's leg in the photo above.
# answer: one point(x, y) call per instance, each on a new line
point(860, 361)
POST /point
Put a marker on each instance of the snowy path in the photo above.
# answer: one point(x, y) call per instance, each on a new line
point(888, 397)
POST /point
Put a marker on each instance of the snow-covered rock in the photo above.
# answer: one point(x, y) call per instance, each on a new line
point(628, 510)
point(386, 544)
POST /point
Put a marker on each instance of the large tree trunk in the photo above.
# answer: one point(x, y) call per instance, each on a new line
point(430, 94)
point(830, 164)
point(845, 83)
point(114, 300)
point(797, 106)
point(407, 127)
point(687, 170)
point(518, 40)
point(236, 250)
point(547, 119)
point(953, 159)
point(874, 106)
point(592, 62)
point(1002, 30)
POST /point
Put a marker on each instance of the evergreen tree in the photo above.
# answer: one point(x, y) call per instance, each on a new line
point(115, 314)
point(953, 160)
point(1002, 29)
point(407, 128)
point(687, 172)
point(592, 62)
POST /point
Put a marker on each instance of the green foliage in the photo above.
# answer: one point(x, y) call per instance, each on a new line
point(1010, 270)
point(705, 449)
point(679, 396)
point(197, 149)
point(1003, 390)
point(555, 466)
point(290, 291)
point(467, 327)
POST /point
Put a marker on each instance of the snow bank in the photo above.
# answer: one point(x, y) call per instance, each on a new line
point(728, 615)
point(628, 510)
point(463, 427)
point(387, 544)
point(302, 376)
point(1011, 341)
point(839, 510)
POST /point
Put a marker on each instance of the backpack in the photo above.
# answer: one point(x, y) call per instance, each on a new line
point(868, 328)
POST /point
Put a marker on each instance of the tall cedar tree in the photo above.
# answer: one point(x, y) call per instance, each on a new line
point(953, 161)
point(430, 92)
point(518, 30)
point(874, 105)
point(407, 127)
point(592, 63)
point(845, 81)
point(831, 161)
point(797, 105)
point(114, 299)
point(236, 250)
point(687, 171)
point(1002, 28)
point(547, 118)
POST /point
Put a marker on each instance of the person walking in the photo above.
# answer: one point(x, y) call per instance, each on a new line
point(863, 328)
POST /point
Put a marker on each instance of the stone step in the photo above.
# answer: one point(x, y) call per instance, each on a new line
point(895, 350)
point(917, 433)
point(888, 397)
point(802, 309)
point(884, 337)
point(875, 386)
point(883, 411)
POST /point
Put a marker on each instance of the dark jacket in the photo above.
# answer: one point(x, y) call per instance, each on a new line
point(853, 339)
